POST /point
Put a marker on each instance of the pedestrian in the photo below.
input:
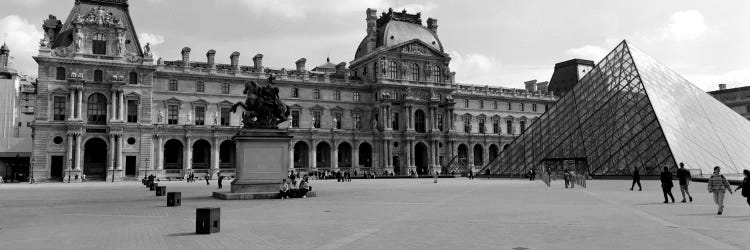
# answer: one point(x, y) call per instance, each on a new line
point(572, 177)
point(488, 173)
point(207, 183)
point(636, 179)
point(471, 174)
point(684, 176)
point(666, 184)
point(221, 178)
point(83, 178)
point(745, 186)
point(435, 175)
point(284, 189)
point(566, 177)
point(718, 184)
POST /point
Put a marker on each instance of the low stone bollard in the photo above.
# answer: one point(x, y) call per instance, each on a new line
point(161, 190)
point(174, 199)
point(207, 220)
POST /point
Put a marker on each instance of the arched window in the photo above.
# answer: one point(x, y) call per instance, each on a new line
point(436, 74)
point(392, 68)
point(99, 44)
point(98, 75)
point(97, 109)
point(415, 72)
point(419, 121)
point(133, 78)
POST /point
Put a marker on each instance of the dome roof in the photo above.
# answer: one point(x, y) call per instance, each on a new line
point(396, 32)
point(4, 47)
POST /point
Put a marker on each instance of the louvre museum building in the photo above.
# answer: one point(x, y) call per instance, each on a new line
point(107, 109)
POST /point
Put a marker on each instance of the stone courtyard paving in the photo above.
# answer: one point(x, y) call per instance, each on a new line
point(373, 214)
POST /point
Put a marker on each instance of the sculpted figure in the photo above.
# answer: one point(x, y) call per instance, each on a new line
point(161, 116)
point(147, 49)
point(79, 40)
point(263, 108)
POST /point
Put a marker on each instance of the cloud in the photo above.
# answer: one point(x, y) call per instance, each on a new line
point(23, 41)
point(300, 9)
point(685, 25)
point(588, 52)
point(479, 69)
point(153, 39)
point(734, 78)
point(28, 3)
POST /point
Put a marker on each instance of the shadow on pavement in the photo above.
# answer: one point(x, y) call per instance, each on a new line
point(181, 234)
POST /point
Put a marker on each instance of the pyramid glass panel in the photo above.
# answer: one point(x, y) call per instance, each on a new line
point(630, 111)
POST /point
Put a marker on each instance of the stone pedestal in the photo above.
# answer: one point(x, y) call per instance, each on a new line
point(262, 161)
point(116, 173)
point(70, 175)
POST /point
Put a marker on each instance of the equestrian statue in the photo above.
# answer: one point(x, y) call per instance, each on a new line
point(263, 108)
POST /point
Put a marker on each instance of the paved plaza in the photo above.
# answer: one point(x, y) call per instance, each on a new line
point(373, 214)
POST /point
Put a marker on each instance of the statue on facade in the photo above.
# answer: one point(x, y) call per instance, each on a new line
point(121, 44)
point(161, 116)
point(404, 69)
point(189, 117)
point(216, 118)
point(79, 40)
point(263, 108)
point(147, 49)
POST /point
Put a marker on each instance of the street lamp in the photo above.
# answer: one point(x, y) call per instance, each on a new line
point(113, 169)
point(70, 164)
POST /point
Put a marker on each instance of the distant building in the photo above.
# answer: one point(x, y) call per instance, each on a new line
point(738, 99)
point(567, 74)
point(17, 100)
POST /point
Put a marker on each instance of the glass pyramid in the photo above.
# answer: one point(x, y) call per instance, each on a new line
point(630, 111)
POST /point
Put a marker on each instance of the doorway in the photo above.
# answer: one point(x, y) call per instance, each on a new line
point(130, 166)
point(56, 168)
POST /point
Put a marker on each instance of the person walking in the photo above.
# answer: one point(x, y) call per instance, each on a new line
point(435, 175)
point(566, 177)
point(745, 186)
point(717, 185)
point(471, 174)
point(684, 176)
point(572, 176)
point(207, 183)
point(666, 184)
point(221, 178)
point(636, 179)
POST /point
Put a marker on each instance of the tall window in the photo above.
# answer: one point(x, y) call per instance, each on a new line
point(200, 87)
point(494, 105)
point(481, 104)
point(172, 85)
point(60, 73)
point(357, 121)
point(356, 96)
point(295, 93)
point(133, 78)
point(509, 127)
point(533, 107)
point(394, 121)
point(225, 88)
point(495, 127)
point(98, 76)
point(523, 126)
point(419, 121)
point(440, 122)
point(99, 46)
point(481, 126)
point(337, 95)
point(415, 72)
point(436, 73)
point(58, 108)
point(295, 119)
point(510, 106)
point(200, 115)
point(467, 124)
point(172, 114)
point(521, 106)
point(392, 69)
point(466, 103)
point(338, 117)
point(225, 116)
point(97, 109)
point(316, 94)
point(316, 119)
point(132, 111)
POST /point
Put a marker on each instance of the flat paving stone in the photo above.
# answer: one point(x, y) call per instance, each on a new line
point(374, 214)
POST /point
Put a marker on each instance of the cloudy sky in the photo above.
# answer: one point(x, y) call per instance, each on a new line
point(491, 42)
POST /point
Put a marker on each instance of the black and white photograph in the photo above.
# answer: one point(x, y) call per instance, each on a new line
point(374, 124)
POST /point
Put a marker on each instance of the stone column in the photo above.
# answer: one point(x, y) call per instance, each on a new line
point(470, 155)
point(355, 157)
point(389, 154)
point(313, 157)
point(430, 118)
point(431, 158)
point(159, 153)
point(111, 156)
point(79, 165)
point(71, 104)
point(122, 106)
point(69, 163)
point(188, 154)
point(335, 158)
point(291, 156)
point(119, 152)
point(215, 157)
point(80, 104)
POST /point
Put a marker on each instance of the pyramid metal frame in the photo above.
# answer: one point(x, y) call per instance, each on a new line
point(630, 111)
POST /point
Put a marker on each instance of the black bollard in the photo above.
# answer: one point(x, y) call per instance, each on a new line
point(207, 220)
point(174, 199)
point(161, 190)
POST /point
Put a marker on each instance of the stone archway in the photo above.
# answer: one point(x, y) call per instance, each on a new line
point(344, 155)
point(323, 155)
point(493, 152)
point(173, 150)
point(478, 155)
point(301, 158)
point(226, 154)
point(201, 154)
point(95, 159)
point(365, 155)
point(421, 154)
point(463, 154)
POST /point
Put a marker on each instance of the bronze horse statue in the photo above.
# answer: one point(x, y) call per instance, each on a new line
point(263, 108)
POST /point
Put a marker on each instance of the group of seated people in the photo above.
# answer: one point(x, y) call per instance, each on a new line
point(292, 189)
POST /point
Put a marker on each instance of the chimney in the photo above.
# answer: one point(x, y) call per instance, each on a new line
point(530, 86)
point(372, 18)
point(258, 61)
point(210, 58)
point(432, 25)
point(542, 87)
point(186, 57)
point(341, 69)
point(301, 64)
point(235, 60)
point(722, 86)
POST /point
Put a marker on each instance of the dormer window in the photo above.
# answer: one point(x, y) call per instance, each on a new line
point(99, 44)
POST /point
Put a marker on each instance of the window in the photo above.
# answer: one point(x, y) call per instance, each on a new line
point(200, 87)
point(172, 85)
point(337, 95)
point(225, 88)
point(200, 115)
point(357, 121)
point(316, 94)
point(392, 69)
point(510, 106)
point(481, 104)
point(521, 106)
point(132, 111)
point(495, 127)
point(436, 74)
point(481, 126)
point(440, 122)
point(337, 116)
point(364, 71)
point(419, 121)
point(394, 121)
point(494, 105)
point(172, 114)
point(295, 119)
point(295, 93)
point(225, 116)
point(98, 76)
point(356, 96)
point(58, 113)
point(60, 74)
point(99, 46)
point(97, 109)
point(466, 103)
point(523, 126)
point(509, 127)
point(375, 69)
point(316, 119)
point(533, 107)
point(415, 72)
point(133, 78)
point(467, 124)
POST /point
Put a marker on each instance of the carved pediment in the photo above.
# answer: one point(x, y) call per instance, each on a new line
point(98, 16)
point(417, 47)
point(296, 107)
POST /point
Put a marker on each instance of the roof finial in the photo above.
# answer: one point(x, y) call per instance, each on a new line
point(328, 59)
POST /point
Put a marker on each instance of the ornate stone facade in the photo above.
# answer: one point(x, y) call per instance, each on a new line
point(395, 109)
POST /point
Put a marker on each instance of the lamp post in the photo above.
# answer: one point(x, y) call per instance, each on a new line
point(145, 171)
point(113, 169)
point(31, 171)
point(70, 164)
